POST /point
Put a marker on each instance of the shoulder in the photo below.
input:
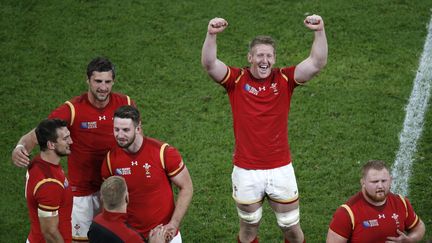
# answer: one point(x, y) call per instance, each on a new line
point(78, 99)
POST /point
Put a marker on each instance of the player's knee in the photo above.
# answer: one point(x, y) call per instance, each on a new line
point(250, 218)
point(288, 219)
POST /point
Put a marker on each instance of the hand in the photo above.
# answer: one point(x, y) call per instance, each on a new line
point(217, 25)
point(400, 239)
point(157, 234)
point(314, 22)
point(20, 156)
point(171, 230)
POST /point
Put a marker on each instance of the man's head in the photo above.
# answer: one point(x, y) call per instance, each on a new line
point(114, 194)
point(127, 125)
point(52, 134)
point(375, 181)
point(262, 56)
point(100, 78)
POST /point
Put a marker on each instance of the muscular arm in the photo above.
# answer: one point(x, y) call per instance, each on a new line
point(184, 183)
point(49, 228)
point(20, 155)
point(214, 67)
point(414, 235)
point(317, 59)
point(333, 237)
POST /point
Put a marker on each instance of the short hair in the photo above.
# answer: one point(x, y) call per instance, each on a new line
point(374, 164)
point(128, 111)
point(100, 64)
point(47, 131)
point(262, 39)
point(113, 191)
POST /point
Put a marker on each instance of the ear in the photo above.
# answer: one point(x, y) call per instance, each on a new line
point(50, 145)
point(138, 128)
point(249, 57)
point(362, 182)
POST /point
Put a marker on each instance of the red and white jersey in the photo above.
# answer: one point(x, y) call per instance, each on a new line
point(147, 173)
point(260, 116)
point(92, 134)
point(48, 189)
point(359, 221)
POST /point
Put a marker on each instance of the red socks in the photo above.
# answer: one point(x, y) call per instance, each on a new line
point(254, 241)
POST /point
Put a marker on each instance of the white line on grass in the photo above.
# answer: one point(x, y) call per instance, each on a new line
point(414, 119)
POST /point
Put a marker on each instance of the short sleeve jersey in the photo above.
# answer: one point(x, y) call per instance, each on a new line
point(359, 221)
point(48, 189)
point(260, 109)
point(91, 131)
point(111, 227)
point(147, 174)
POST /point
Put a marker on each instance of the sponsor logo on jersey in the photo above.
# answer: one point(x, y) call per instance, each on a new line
point(102, 118)
point(134, 163)
point(251, 89)
point(123, 171)
point(370, 223)
point(380, 216)
point(66, 183)
point(88, 125)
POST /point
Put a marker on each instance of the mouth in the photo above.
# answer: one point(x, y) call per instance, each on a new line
point(263, 68)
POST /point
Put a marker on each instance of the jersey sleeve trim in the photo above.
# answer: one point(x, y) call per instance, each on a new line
point(128, 100)
point(182, 165)
point(161, 154)
point(72, 109)
point(45, 214)
point(227, 75)
point(49, 208)
point(238, 78)
point(351, 214)
point(404, 203)
point(109, 162)
point(39, 184)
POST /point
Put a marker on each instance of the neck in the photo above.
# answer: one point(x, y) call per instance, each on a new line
point(136, 145)
point(50, 157)
point(375, 203)
point(97, 103)
point(120, 209)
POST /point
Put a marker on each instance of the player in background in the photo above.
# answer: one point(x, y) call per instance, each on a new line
point(90, 120)
point(375, 214)
point(110, 226)
point(149, 167)
point(260, 98)
point(48, 193)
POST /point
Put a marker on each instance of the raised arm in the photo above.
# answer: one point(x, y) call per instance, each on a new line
point(183, 182)
point(317, 59)
point(20, 155)
point(214, 67)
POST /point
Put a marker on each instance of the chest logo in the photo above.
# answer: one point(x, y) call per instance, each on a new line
point(89, 125)
point(102, 118)
point(381, 216)
point(133, 163)
point(396, 219)
point(273, 87)
point(123, 171)
point(370, 223)
point(147, 167)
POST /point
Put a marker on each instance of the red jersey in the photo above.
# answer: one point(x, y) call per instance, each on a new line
point(147, 173)
point(359, 221)
point(91, 131)
point(48, 189)
point(111, 227)
point(260, 110)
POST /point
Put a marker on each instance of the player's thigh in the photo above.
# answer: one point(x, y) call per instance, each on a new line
point(83, 211)
point(283, 187)
point(248, 185)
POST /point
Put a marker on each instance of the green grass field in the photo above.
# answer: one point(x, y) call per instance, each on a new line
point(352, 112)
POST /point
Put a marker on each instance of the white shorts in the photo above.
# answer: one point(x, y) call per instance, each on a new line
point(251, 186)
point(83, 211)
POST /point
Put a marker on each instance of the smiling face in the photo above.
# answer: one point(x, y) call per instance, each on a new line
point(262, 57)
point(100, 86)
point(124, 132)
point(376, 185)
point(64, 140)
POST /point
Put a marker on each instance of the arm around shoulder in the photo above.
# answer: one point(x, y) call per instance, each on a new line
point(21, 153)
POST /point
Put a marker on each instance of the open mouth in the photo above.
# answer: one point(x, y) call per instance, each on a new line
point(263, 68)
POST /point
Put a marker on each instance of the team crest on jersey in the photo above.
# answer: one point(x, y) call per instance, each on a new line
point(273, 87)
point(396, 219)
point(370, 223)
point(147, 167)
point(123, 171)
point(89, 125)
